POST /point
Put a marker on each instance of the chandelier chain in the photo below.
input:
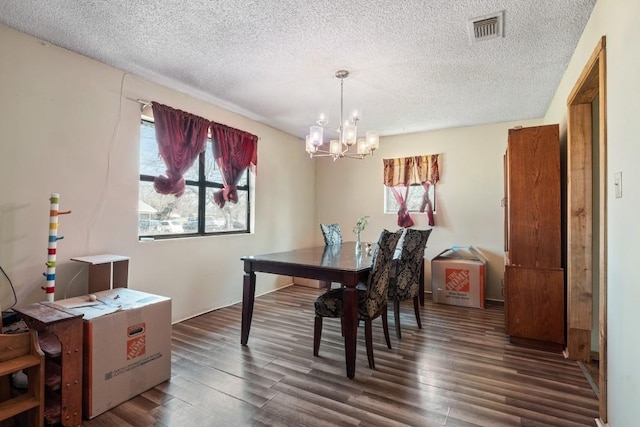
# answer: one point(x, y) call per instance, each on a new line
point(341, 108)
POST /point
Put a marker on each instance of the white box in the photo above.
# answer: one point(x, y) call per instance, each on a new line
point(459, 277)
point(127, 346)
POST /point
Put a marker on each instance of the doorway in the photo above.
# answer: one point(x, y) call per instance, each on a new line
point(586, 217)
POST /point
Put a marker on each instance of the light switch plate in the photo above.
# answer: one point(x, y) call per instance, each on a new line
point(617, 184)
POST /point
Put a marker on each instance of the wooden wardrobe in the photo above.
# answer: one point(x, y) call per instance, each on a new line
point(534, 288)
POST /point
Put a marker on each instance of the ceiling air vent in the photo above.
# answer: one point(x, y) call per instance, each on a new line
point(486, 27)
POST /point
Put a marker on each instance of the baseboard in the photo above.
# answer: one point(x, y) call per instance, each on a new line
point(600, 423)
point(593, 382)
point(309, 283)
point(537, 344)
point(229, 304)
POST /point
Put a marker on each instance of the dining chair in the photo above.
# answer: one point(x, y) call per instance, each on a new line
point(372, 301)
point(332, 241)
point(331, 234)
point(405, 282)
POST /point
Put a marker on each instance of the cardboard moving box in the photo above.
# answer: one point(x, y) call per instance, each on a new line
point(127, 346)
point(459, 276)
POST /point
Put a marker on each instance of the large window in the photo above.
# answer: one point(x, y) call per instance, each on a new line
point(415, 199)
point(195, 212)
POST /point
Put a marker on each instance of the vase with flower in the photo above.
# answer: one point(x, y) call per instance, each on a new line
point(358, 228)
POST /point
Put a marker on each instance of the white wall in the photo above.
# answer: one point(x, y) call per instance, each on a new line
point(617, 20)
point(468, 196)
point(67, 126)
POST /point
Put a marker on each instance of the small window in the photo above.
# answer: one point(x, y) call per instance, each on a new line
point(415, 199)
point(194, 213)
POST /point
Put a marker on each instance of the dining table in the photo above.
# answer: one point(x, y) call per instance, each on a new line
point(332, 263)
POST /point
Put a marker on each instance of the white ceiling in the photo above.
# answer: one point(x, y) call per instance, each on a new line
point(412, 62)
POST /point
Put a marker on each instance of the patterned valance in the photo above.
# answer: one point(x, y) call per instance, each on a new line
point(413, 170)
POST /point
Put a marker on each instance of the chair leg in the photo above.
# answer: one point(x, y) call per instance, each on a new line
point(317, 333)
point(416, 308)
point(369, 341)
point(396, 316)
point(385, 328)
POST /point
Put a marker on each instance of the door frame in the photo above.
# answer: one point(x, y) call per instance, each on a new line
point(591, 83)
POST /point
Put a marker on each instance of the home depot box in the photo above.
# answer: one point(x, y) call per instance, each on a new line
point(127, 346)
point(458, 276)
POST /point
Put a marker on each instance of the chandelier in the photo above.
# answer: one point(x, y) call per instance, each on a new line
point(347, 134)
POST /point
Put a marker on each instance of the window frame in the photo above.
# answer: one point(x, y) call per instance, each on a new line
point(387, 196)
point(202, 185)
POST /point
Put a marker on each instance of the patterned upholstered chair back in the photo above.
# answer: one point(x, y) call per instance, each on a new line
point(405, 283)
point(375, 297)
point(331, 234)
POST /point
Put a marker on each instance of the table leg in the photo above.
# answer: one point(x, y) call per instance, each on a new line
point(248, 297)
point(350, 300)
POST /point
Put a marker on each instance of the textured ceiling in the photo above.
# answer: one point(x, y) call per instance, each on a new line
point(412, 62)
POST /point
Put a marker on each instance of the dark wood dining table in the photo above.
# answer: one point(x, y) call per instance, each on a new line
point(338, 264)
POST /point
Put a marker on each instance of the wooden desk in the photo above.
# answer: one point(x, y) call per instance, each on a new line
point(332, 264)
point(60, 336)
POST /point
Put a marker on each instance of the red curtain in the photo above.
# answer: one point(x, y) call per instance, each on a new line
point(234, 151)
point(428, 174)
point(397, 176)
point(404, 218)
point(426, 203)
point(181, 138)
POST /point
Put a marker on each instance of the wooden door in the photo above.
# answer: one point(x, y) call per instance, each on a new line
point(534, 197)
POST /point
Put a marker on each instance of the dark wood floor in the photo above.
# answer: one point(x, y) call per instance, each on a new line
point(459, 370)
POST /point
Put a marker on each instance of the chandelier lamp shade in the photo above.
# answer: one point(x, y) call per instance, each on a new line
point(347, 143)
